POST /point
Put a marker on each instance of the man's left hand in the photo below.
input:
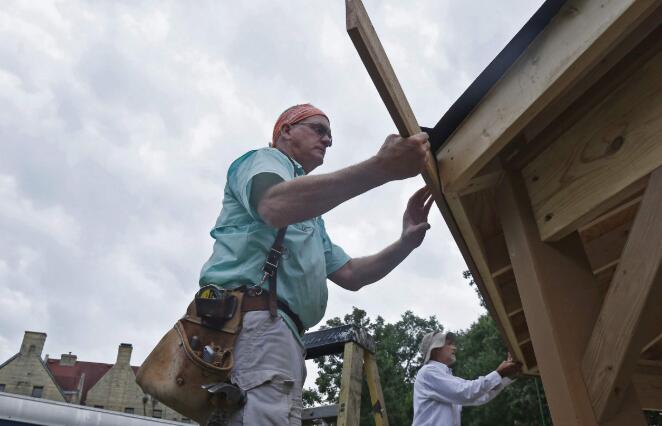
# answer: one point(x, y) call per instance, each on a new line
point(415, 220)
point(509, 367)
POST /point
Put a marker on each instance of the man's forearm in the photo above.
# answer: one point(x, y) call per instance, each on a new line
point(306, 197)
point(362, 271)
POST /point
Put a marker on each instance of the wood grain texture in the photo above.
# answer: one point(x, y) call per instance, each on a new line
point(487, 178)
point(560, 301)
point(605, 237)
point(576, 40)
point(365, 39)
point(482, 229)
point(375, 60)
point(496, 253)
point(351, 380)
point(375, 389)
point(578, 100)
point(475, 248)
point(505, 282)
point(607, 152)
point(630, 313)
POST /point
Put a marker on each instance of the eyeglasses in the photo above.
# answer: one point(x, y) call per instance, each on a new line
point(318, 128)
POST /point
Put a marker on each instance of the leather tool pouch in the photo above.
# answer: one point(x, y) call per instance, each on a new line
point(198, 350)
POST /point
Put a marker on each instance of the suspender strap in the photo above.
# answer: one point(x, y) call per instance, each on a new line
point(270, 269)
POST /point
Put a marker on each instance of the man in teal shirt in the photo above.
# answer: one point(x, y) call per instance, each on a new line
point(270, 188)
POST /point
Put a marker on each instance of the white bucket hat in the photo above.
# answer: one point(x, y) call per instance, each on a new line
point(432, 340)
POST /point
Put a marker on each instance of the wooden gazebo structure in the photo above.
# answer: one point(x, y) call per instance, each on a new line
point(548, 173)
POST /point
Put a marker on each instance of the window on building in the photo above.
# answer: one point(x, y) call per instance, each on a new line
point(157, 413)
point(37, 391)
point(2, 387)
point(128, 410)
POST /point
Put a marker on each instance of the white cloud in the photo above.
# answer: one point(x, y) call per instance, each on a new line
point(119, 120)
point(18, 212)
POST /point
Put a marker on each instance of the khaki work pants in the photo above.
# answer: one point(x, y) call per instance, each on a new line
point(270, 367)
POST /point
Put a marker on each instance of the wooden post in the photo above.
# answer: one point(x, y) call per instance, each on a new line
point(349, 402)
point(560, 301)
point(375, 388)
point(631, 311)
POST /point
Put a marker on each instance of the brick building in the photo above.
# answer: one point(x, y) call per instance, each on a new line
point(96, 384)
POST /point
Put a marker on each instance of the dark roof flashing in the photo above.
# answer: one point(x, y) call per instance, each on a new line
point(477, 90)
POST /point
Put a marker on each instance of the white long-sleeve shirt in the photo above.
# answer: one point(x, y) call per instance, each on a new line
point(439, 396)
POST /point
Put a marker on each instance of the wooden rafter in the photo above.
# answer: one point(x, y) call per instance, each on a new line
point(629, 317)
point(376, 61)
point(560, 303)
point(603, 158)
point(575, 41)
point(544, 295)
point(371, 51)
point(605, 237)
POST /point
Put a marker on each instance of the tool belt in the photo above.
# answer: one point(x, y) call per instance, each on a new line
point(261, 303)
point(190, 356)
point(189, 369)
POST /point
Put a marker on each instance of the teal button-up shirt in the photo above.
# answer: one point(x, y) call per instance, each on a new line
point(243, 241)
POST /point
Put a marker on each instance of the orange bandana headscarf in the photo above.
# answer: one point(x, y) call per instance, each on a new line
point(293, 115)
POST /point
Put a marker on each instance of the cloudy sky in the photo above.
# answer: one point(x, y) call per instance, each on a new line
point(118, 121)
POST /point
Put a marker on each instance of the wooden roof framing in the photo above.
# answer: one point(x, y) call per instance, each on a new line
point(549, 186)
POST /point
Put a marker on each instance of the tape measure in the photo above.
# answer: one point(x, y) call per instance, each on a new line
point(208, 292)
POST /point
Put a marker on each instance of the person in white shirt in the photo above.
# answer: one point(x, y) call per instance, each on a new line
point(439, 396)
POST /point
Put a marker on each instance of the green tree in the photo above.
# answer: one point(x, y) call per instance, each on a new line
point(397, 359)
point(654, 418)
point(467, 275)
point(480, 350)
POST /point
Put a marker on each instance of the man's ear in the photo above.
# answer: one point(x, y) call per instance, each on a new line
point(285, 130)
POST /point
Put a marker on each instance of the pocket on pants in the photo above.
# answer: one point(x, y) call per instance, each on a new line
point(296, 407)
point(268, 398)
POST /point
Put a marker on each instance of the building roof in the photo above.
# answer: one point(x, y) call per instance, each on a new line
point(48, 371)
point(9, 360)
point(68, 376)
